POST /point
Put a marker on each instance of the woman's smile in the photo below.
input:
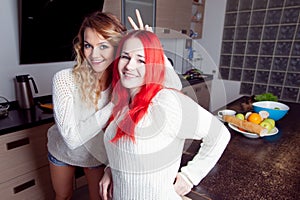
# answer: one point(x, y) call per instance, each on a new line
point(97, 50)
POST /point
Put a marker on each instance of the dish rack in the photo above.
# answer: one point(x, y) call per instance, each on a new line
point(4, 106)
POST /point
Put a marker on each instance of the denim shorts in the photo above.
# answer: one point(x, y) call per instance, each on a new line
point(59, 163)
point(56, 162)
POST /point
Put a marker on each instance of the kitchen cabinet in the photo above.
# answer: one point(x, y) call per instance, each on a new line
point(199, 92)
point(24, 168)
point(196, 23)
point(114, 7)
point(172, 17)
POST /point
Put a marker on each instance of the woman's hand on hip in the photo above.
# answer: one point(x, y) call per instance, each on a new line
point(106, 185)
point(181, 186)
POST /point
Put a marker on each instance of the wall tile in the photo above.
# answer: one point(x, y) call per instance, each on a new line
point(250, 62)
point(258, 17)
point(245, 4)
point(270, 32)
point(284, 48)
point(255, 33)
point(262, 77)
point(228, 34)
point(237, 61)
point(253, 48)
point(273, 17)
point(296, 49)
point(232, 5)
point(291, 2)
point(227, 47)
point(264, 62)
point(294, 65)
point(277, 78)
point(286, 32)
point(275, 3)
point(248, 75)
point(276, 90)
point(243, 18)
point(297, 37)
point(235, 74)
point(224, 73)
point(259, 89)
point(290, 94)
point(241, 33)
point(280, 64)
point(292, 79)
point(230, 19)
point(267, 48)
point(225, 60)
point(260, 4)
point(239, 47)
point(246, 88)
point(290, 15)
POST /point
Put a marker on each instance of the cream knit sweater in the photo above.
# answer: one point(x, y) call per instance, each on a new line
point(146, 169)
point(77, 136)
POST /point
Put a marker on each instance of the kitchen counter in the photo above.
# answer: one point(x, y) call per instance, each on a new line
point(196, 80)
point(264, 168)
point(19, 119)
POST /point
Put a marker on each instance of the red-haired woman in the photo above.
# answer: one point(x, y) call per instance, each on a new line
point(145, 139)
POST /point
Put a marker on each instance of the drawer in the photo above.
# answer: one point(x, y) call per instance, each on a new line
point(33, 185)
point(23, 151)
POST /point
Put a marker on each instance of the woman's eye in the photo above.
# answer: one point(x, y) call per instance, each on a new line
point(86, 46)
point(102, 47)
point(125, 57)
point(142, 61)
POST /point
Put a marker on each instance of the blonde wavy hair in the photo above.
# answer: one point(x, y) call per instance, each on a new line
point(108, 26)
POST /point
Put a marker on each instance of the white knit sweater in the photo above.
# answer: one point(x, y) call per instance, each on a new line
point(146, 169)
point(77, 136)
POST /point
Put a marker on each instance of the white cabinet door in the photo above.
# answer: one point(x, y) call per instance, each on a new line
point(200, 93)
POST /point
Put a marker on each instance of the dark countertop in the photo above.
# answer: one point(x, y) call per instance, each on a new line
point(203, 78)
point(19, 119)
point(264, 168)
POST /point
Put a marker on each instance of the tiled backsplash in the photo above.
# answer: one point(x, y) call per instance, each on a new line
point(261, 47)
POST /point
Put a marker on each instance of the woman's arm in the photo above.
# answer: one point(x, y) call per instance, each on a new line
point(184, 119)
point(75, 131)
point(198, 123)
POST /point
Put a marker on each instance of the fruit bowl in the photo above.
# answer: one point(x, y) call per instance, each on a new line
point(276, 110)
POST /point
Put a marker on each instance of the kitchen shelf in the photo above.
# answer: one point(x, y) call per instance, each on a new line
point(196, 22)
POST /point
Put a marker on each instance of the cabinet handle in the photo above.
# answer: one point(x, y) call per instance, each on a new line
point(24, 186)
point(17, 143)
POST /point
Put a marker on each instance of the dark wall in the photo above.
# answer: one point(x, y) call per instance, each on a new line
point(48, 27)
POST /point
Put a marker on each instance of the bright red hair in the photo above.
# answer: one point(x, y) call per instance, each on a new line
point(154, 78)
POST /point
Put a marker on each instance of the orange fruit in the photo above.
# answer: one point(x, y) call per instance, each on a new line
point(254, 118)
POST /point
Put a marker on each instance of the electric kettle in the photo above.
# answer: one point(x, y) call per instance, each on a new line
point(23, 91)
